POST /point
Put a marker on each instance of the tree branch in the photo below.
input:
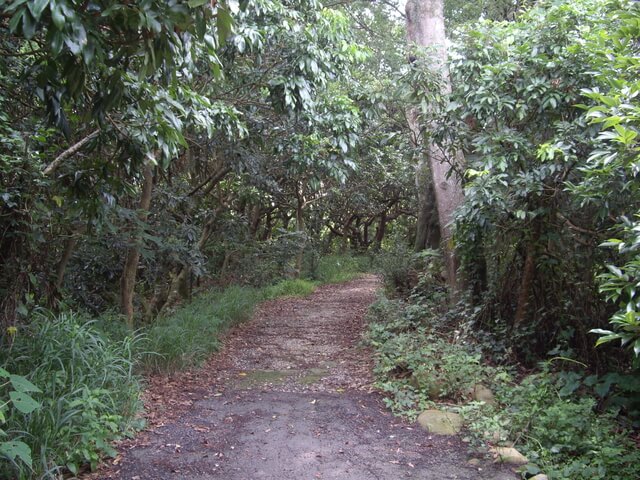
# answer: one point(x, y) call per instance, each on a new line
point(215, 178)
point(72, 150)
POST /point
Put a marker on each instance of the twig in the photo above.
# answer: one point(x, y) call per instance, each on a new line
point(72, 150)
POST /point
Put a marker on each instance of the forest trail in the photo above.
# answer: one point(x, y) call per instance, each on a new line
point(289, 398)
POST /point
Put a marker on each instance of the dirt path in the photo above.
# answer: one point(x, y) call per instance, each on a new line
point(290, 399)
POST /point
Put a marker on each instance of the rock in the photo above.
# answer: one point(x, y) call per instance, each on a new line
point(440, 423)
point(474, 462)
point(425, 381)
point(509, 455)
point(483, 394)
point(540, 476)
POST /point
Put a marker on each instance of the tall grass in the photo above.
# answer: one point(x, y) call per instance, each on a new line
point(89, 396)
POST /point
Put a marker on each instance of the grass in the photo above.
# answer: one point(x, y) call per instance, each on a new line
point(342, 268)
point(190, 334)
point(88, 395)
point(290, 288)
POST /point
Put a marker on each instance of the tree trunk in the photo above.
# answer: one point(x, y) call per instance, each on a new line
point(300, 228)
point(69, 247)
point(528, 272)
point(427, 228)
point(254, 220)
point(268, 227)
point(365, 236)
point(425, 27)
point(380, 231)
point(528, 276)
point(128, 280)
point(70, 244)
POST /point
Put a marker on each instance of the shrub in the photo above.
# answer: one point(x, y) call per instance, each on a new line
point(290, 288)
point(551, 417)
point(415, 366)
point(397, 269)
point(562, 434)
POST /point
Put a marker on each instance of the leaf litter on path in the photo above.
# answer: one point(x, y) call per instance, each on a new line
point(289, 397)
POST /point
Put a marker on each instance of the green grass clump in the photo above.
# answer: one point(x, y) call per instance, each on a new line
point(189, 335)
point(290, 288)
point(89, 394)
point(341, 268)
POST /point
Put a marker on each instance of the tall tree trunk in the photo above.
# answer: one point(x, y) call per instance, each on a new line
point(365, 236)
point(528, 276)
point(528, 273)
point(427, 227)
point(425, 27)
point(380, 231)
point(300, 228)
point(254, 220)
point(268, 227)
point(128, 280)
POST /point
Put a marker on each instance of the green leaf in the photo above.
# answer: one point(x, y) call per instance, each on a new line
point(612, 121)
point(28, 25)
point(23, 402)
point(57, 16)
point(22, 310)
point(3, 373)
point(37, 7)
point(615, 270)
point(197, 3)
point(224, 23)
point(21, 384)
point(15, 21)
point(16, 450)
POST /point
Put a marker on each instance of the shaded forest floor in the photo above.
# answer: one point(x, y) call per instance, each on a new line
point(290, 397)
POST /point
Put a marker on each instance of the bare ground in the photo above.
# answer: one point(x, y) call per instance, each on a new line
point(290, 398)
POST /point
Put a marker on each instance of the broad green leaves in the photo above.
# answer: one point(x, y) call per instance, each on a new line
point(612, 169)
point(19, 399)
point(553, 176)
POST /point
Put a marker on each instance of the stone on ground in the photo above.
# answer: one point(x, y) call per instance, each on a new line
point(483, 394)
point(440, 422)
point(509, 455)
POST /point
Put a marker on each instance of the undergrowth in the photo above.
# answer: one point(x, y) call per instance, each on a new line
point(89, 394)
point(566, 420)
point(85, 373)
point(340, 268)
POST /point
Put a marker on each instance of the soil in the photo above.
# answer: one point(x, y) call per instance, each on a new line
point(289, 398)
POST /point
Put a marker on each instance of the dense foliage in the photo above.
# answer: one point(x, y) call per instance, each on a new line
point(544, 108)
point(535, 209)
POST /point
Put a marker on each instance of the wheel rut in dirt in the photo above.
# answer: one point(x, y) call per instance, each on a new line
point(290, 398)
